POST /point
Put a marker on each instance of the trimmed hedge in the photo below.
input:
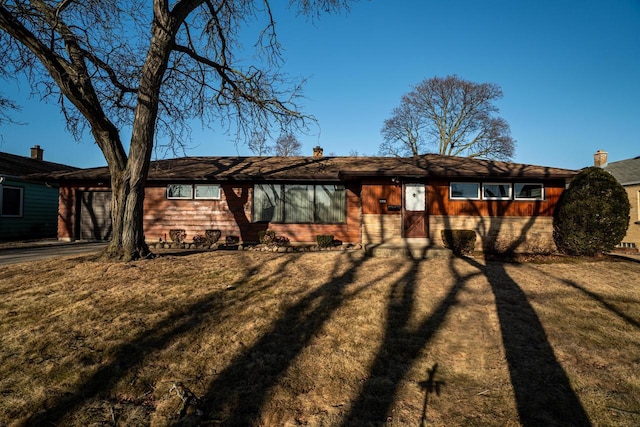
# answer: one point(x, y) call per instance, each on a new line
point(592, 216)
point(324, 240)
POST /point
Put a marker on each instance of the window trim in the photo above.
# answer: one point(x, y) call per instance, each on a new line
point(281, 192)
point(478, 193)
point(179, 198)
point(529, 199)
point(194, 191)
point(21, 201)
point(509, 197)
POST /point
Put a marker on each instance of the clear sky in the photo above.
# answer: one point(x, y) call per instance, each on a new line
point(569, 70)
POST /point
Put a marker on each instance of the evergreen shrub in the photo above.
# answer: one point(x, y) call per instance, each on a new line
point(592, 215)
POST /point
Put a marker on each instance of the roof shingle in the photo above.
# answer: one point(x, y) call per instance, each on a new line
point(627, 172)
point(325, 169)
point(19, 166)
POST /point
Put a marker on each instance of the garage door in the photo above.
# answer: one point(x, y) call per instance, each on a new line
point(95, 215)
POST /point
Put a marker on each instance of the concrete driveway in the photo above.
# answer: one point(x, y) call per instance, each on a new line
point(25, 253)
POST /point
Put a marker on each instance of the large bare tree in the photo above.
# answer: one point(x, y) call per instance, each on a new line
point(287, 145)
point(258, 144)
point(449, 116)
point(151, 66)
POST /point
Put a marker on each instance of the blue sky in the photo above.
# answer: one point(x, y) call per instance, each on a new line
point(569, 70)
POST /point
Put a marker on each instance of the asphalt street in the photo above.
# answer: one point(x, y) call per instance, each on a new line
point(33, 253)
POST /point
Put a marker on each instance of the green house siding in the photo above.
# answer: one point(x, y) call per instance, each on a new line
point(39, 212)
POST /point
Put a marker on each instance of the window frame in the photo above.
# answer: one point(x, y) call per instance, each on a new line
point(190, 197)
point(478, 192)
point(281, 198)
point(195, 192)
point(508, 197)
point(20, 201)
point(529, 199)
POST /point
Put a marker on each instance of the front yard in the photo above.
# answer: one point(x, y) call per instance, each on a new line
point(326, 338)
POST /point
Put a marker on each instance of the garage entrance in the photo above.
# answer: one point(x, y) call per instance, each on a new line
point(95, 215)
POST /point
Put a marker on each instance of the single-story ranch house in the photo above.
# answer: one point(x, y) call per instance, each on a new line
point(361, 200)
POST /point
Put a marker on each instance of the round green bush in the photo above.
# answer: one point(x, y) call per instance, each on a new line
point(592, 215)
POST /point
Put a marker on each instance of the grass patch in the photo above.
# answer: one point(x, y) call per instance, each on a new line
point(329, 338)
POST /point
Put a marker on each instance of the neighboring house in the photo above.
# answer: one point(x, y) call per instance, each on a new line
point(28, 208)
point(363, 200)
point(627, 172)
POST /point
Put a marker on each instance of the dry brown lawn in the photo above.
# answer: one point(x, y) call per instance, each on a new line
point(319, 339)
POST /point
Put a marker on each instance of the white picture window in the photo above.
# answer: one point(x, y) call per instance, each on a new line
point(207, 192)
point(179, 191)
point(464, 190)
point(496, 191)
point(524, 191)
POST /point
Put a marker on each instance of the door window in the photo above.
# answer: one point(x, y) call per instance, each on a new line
point(414, 197)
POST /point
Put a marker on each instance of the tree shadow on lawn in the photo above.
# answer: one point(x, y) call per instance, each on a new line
point(401, 346)
point(542, 389)
point(603, 302)
point(239, 392)
point(131, 355)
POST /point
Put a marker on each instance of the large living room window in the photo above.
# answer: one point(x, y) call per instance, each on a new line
point(299, 203)
point(11, 201)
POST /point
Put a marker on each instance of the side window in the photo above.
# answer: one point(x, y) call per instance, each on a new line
point(11, 200)
point(496, 191)
point(207, 192)
point(179, 191)
point(528, 191)
point(464, 190)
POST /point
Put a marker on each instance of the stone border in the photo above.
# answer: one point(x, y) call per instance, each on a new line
point(254, 247)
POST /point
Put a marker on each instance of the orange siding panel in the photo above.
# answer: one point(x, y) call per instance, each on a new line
point(374, 191)
point(440, 204)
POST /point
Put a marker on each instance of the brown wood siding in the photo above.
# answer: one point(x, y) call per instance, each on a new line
point(232, 216)
point(196, 216)
point(440, 204)
point(66, 213)
point(374, 191)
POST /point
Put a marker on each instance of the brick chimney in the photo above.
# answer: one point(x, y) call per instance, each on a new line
point(600, 158)
point(36, 152)
point(317, 151)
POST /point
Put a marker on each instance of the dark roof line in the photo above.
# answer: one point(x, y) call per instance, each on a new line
point(20, 166)
point(325, 169)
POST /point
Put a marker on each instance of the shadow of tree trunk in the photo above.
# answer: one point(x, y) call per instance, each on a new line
point(239, 392)
point(543, 393)
point(390, 367)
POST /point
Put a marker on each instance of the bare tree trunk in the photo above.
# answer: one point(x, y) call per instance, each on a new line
point(128, 241)
point(128, 184)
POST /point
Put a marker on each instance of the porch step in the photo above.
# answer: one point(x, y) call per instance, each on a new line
point(410, 248)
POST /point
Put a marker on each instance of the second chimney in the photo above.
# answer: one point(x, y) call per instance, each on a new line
point(317, 151)
point(600, 158)
point(36, 152)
